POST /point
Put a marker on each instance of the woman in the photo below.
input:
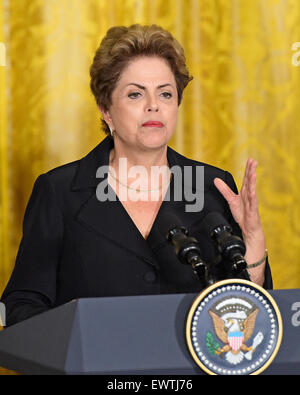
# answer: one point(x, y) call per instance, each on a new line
point(89, 232)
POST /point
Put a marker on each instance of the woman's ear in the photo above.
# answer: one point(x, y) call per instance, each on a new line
point(108, 120)
point(106, 115)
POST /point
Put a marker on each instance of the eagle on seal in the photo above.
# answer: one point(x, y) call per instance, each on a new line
point(234, 321)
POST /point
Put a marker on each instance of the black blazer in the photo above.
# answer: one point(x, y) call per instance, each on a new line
point(75, 246)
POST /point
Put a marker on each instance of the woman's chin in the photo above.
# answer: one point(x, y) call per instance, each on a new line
point(154, 140)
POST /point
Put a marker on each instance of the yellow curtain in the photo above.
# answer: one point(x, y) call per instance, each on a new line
point(5, 262)
point(243, 102)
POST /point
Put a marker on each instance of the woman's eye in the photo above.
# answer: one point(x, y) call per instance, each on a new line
point(166, 95)
point(134, 95)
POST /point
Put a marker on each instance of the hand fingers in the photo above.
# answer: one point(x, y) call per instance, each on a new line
point(224, 189)
point(250, 173)
point(252, 192)
point(245, 179)
point(249, 186)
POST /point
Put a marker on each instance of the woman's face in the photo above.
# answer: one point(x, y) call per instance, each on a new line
point(144, 106)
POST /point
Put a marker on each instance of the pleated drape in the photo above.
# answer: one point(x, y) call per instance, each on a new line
point(244, 100)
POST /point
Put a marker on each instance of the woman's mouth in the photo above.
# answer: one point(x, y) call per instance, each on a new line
point(153, 124)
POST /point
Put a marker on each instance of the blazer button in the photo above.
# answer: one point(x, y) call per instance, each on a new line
point(150, 277)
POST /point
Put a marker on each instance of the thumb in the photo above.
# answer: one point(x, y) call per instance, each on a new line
point(224, 189)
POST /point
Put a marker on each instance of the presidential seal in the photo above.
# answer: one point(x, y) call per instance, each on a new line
point(234, 327)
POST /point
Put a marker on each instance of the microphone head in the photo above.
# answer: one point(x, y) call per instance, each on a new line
point(214, 220)
point(169, 223)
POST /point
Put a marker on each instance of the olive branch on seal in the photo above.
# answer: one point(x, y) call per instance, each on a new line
point(211, 343)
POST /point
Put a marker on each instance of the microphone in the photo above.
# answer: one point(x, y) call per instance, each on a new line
point(188, 250)
point(230, 246)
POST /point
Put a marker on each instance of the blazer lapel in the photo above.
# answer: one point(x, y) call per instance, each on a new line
point(176, 207)
point(108, 218)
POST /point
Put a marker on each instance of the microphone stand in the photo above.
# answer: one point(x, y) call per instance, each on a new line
point(232, 248)
point(188, 252)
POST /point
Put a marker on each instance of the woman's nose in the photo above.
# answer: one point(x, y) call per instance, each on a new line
point(154, 109)
point(152, 105)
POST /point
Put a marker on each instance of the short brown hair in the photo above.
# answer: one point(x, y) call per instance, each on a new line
point(120, 45)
